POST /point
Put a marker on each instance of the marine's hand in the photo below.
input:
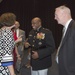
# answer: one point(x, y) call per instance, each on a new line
point(35, 55)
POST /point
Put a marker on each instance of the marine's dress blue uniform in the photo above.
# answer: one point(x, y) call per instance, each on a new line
point(45, 46)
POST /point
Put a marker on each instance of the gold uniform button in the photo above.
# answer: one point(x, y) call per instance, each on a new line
point(32, 45)
point(33, 40)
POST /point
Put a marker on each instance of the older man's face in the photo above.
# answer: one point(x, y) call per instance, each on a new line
point(17, 25)
point(59, 16)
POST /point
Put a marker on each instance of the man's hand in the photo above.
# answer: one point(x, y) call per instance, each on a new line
point(35, 55)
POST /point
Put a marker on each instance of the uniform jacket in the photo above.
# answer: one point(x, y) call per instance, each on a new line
point(42, 41)
point(67, 52)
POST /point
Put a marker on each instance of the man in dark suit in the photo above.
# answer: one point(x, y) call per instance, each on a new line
point(66, 50)
point(42, 46)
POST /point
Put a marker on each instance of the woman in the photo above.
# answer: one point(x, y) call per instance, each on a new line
point(6, 44)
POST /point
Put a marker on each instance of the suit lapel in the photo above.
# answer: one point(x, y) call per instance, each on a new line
point(67, 33)
point(20, 32)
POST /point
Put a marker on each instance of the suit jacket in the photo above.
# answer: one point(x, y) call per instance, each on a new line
point(20, 45)
point(42, 41)
point(67, 52)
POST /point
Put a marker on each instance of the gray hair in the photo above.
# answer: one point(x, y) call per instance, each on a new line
point(64, 9)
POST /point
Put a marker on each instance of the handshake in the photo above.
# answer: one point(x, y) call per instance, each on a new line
point(27, 45)
point(33, 50)
point(19, 39)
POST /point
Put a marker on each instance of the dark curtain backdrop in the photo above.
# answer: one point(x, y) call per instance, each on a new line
point(25, 10)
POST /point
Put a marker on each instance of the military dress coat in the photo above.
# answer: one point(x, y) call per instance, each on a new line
point(41, 41)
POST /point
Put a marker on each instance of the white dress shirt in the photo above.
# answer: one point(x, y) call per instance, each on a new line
point(17, 32)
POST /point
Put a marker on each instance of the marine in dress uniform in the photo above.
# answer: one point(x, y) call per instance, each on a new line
point(42, 46)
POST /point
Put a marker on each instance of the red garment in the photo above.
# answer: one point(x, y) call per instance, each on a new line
point(14, 52)
point(15, 36)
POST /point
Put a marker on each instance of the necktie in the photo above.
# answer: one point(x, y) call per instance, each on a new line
point(63, 34)
point(15, 36)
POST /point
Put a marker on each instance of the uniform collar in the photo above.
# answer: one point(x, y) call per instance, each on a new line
point(39, 29)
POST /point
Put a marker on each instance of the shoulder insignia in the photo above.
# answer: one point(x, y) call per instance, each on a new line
point(46, 29)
